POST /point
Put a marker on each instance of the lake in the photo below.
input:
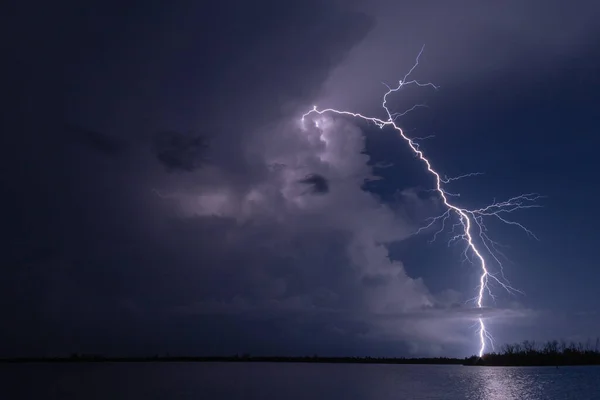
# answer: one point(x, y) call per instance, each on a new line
point(232, 381)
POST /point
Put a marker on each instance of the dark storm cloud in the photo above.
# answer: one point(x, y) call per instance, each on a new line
point(180, 152)
point(467, 44)
point(318, 184)
point(100, 142)
point(120, 253)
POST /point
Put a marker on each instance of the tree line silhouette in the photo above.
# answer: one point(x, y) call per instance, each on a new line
point(529, 353)
point(239, 358)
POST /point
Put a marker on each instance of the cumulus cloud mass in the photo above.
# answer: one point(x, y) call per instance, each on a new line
point(311, 255)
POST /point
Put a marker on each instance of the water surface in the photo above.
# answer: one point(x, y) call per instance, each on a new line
point(232, 381)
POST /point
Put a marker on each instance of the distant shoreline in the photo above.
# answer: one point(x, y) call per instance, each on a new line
point(470, 361)
point(324, 360)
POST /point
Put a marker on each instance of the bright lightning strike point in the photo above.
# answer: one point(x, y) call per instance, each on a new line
point(469, 220)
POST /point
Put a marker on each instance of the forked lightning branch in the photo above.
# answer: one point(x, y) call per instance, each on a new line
point(479, 247)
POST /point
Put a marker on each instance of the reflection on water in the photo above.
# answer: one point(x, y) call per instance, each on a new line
point(483, 383)
point(232, 381)
point(513, 383)
point(528, 383)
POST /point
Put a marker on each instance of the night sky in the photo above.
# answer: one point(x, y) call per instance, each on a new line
point(160, 196)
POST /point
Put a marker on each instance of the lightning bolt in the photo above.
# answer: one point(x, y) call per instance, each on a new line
point(470, 221)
